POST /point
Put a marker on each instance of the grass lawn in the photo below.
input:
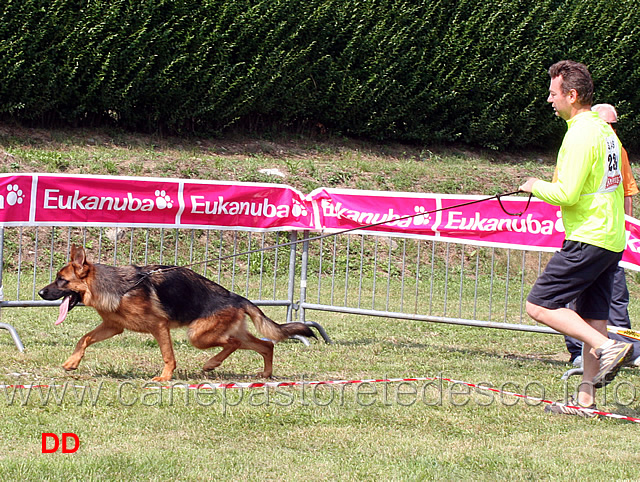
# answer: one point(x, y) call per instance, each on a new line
point(424, 430)
point(128, 429)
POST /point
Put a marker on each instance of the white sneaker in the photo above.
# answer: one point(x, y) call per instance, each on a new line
point(577, 362)
point(612, 356)
point(572, 407)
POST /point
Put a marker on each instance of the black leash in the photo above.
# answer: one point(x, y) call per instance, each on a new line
point(322, 236)
point(498, 196)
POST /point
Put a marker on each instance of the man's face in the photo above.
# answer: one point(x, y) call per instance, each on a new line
point(562, 103)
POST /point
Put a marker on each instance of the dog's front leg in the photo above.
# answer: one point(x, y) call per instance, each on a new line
point(163, 337)
point(102, 332)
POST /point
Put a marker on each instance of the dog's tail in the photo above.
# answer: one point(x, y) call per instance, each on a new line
point(272, 330)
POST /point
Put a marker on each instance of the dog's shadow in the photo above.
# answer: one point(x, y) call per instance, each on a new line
point(184, 375)
point(180, 376)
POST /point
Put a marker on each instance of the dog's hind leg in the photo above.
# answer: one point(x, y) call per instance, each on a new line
point(204, 340)
point(101, 332)
point(227, 329)
point(214, 362)
point(218, 330)
point(264, 347)
point(163, 337)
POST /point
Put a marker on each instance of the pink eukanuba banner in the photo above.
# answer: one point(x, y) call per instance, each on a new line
point(70, 200)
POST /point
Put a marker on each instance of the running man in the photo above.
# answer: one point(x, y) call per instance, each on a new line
point(589, 193)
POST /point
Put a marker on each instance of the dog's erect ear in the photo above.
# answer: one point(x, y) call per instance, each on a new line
point(79, 261)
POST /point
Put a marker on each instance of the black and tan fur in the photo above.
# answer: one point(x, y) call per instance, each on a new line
point(155, 299)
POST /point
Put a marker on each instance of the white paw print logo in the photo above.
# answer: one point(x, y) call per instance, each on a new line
point(298, 209)
point(15, 196)
point(163, 200)
point(421, 220)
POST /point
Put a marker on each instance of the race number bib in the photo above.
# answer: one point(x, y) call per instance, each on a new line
point(612, 175)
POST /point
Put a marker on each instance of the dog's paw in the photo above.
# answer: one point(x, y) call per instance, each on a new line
point(210, 366)
point(161, 379)
point(264, 375)
point(70, 365)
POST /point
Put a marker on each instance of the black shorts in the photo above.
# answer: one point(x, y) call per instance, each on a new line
point(580, 272)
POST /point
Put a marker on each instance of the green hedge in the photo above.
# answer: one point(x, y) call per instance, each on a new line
point(425, 71)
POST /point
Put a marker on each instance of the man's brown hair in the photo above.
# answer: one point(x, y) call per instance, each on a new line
point(574, 76)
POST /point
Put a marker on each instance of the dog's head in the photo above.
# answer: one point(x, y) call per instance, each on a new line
point(70, 283)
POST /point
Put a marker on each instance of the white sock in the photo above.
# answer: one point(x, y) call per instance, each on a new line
point(606, 344)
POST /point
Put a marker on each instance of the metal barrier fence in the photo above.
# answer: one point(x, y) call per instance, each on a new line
point(392, 277)
point(408, 278)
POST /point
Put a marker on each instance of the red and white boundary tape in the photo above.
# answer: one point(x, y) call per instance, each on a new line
point(227, 385)
point(217, 386)
point(513, 394)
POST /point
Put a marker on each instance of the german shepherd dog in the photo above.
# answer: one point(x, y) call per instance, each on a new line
point(154, 299)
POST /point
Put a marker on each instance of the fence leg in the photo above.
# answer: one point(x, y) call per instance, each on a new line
point(14, 333)
point(573, 371)
point(303, 290)
point(293, 237)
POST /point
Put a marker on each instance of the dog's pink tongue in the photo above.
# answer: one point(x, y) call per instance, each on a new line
point(64, 309)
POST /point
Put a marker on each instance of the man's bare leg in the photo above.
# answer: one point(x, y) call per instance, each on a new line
point(590, 366)
point(592, 333)
point(568, 322)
